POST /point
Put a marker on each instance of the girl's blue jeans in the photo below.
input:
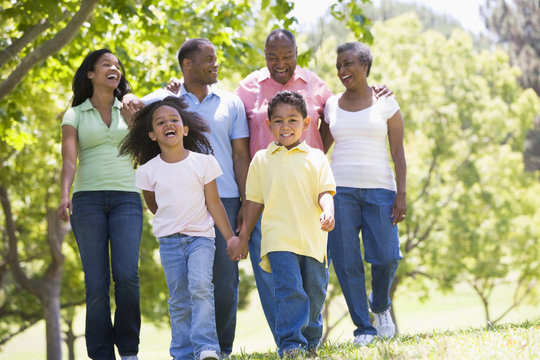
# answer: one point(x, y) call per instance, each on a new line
point(187, 262)
point(367, 211)
point(109, 222)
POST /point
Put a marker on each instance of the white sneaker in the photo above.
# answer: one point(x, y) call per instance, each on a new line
point(208, 354)
point(384, 325)
point(363, 339)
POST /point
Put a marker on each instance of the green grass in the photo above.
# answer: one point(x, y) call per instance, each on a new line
point(501, 342)
point(430, 330)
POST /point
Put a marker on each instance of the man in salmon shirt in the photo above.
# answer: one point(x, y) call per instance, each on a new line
point(256, 91)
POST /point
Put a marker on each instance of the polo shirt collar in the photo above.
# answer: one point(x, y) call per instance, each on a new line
point(214, 90)
point(87, 105)
point(273, 147)
point(299, 73)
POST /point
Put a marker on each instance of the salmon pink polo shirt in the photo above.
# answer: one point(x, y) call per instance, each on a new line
point(258, 88)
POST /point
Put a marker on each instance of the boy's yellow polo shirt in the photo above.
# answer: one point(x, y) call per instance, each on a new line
point(288, 183)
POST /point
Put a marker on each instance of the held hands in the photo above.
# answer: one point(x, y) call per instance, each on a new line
point(327, 221)
point(174, 85)
point(237, 247)
point(399, 209)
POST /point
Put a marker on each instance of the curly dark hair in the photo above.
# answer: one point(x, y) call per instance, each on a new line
point(141, 148)
point(287, 97)
point(82, 85)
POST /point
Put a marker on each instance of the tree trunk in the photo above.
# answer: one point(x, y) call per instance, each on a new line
point(51, 314)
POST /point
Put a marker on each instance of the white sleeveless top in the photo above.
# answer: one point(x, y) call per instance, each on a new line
point(360, 157)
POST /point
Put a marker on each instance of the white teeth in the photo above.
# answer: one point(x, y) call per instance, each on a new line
point(170, 133)
point(112, 76)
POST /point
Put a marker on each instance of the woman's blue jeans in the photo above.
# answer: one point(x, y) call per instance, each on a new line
point(367, 211)
point(187, 262)
point(109, 222)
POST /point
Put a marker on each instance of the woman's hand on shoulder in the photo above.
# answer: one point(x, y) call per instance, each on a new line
point(381, 90)
point(174, 85)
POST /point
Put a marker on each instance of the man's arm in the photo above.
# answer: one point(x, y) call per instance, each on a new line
point(241, 159)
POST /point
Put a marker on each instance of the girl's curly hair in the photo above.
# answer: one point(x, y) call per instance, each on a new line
point(141, 148)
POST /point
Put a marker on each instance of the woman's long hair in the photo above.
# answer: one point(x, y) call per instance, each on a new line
point(141, 148)
point(82, 85)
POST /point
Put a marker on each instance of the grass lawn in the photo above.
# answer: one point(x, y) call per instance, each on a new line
point(429, 330)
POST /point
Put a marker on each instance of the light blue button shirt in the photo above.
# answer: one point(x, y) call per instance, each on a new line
point(226, 117)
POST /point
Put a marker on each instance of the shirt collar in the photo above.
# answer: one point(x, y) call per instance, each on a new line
point(273, 147)
point(87, 105)
point(214, 90)
point(299, 73)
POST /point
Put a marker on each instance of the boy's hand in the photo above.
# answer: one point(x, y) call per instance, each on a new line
point(327, 221)
point(237, 248)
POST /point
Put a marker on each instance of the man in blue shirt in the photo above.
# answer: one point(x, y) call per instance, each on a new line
point(229, 137)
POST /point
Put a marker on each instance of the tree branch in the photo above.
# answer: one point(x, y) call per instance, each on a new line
point(13, 255)
point(47, 48)
point(30, 35)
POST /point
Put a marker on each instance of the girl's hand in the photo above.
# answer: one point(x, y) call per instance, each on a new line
point(327, 221)
point(64, 207)
point(237, 248)
point(174, 85)
point(399, 209)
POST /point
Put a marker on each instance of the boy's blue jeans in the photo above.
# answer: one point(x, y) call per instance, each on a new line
point(300, 284)
point(104, 221)
point(368, 211)
point(187, 263)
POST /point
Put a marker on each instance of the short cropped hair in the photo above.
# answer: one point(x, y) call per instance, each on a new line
point(277, 33)
point(287, 97)
point(190, 48)
point(361, 51)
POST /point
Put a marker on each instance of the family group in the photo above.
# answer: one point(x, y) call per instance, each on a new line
point(228, 175)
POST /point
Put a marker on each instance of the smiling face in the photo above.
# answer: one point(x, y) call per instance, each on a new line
point(350, 70)
point(203, 65)
point(167, 127)
point(106, 72)
point(280, 54)
point(287, 125)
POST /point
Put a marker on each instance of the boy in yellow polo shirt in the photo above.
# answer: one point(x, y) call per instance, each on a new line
point(294, 185)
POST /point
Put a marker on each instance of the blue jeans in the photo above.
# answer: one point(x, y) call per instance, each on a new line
point(226, 280)
point(263, 280)
point(187, 263)
point(368, 211)
point(300, 290)
point(103, 221)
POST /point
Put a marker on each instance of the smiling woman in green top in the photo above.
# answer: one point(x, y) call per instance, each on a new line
point(105, 211)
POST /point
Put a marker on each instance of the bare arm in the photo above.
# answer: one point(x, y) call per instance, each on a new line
point(217, 210)
point(395, 139)
point(326, 202)
point(150, 200)
point(326, 135)
point(240, 247)
point(241, 159)
point(69, 166)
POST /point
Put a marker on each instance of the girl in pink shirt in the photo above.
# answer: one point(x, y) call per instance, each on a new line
point(177, 174)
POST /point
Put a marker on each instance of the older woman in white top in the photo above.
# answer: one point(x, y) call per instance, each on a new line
point(368, 200)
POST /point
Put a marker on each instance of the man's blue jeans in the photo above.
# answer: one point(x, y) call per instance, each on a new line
point(368, 211)
point(103, 221)
point(226, 282)
point(187, 263)
point(263, 280)
point(300, 290)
